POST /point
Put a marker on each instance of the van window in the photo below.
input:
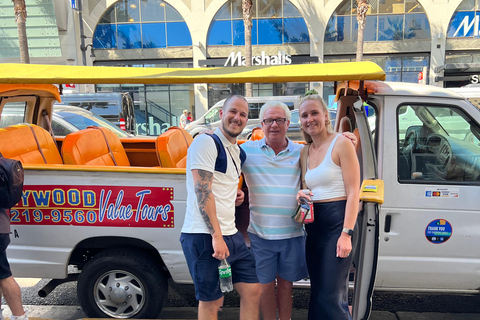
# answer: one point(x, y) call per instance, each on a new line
point(439, 144)
point(13, 113)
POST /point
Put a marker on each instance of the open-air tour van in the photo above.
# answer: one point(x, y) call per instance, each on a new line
point(116, 216)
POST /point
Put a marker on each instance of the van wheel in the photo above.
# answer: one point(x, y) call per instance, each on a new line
point(122, 284)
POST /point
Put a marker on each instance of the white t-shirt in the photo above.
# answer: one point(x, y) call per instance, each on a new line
point(202, 154)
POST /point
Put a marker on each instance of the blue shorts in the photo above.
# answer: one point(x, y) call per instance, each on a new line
point(4, 265)
point(203, 268)
point(285, 258)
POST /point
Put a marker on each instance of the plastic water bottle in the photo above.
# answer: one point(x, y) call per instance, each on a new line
point(225, 275)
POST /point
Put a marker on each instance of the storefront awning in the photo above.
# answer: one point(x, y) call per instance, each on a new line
point(450, 68)
point(457, 71)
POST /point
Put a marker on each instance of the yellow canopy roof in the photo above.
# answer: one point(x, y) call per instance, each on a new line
point(13, 73)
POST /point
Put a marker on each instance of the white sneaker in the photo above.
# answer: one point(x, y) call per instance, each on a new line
point(23, 317)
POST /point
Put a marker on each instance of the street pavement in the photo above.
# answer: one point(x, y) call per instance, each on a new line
point(75, 313)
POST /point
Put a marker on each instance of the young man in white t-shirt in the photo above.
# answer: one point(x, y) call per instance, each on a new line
point(209, 234)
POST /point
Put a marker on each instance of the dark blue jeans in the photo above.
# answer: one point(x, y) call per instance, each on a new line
point(328, 274)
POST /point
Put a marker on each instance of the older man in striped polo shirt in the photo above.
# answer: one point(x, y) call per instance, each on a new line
point(272, 174)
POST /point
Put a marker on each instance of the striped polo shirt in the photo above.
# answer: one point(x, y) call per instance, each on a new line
point(273, 182)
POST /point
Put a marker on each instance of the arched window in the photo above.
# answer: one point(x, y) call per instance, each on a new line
point(137, 24)
point(274, 22)
point(464, 23)
point(387, 20)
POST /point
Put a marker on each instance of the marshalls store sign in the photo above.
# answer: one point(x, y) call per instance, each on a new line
point(236, 59)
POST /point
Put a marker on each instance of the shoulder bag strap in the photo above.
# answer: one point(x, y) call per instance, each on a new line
point(303, 164)
point(38, 144)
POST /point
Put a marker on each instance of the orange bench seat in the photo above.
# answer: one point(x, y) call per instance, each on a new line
point(89, 147)
point(18, 142)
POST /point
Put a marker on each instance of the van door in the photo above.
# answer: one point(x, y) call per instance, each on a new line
point(430, 221)
point(366, 239)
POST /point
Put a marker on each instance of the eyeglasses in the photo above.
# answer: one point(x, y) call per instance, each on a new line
point(279, 121)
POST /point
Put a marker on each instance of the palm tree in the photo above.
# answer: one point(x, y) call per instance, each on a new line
point(21, 18)
point(362, 8)
point(247, 6)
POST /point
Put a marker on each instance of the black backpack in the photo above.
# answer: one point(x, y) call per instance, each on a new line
point(11, 182)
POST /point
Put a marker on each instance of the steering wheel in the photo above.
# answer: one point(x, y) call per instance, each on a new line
point(443, 154)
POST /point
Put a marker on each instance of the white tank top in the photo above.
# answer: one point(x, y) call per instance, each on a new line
point(326, 180)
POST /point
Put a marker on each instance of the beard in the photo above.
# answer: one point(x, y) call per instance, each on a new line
point(231, 133)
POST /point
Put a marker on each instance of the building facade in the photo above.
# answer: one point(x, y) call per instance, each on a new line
point(439, 38)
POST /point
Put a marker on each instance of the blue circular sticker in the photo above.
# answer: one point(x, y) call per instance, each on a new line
point(438, 231)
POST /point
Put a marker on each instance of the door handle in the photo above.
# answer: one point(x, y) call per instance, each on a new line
point(388, 221)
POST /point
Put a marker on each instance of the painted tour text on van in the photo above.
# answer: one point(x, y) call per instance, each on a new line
point(105, 206)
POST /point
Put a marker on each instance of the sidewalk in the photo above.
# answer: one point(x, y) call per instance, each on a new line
point(74, 313)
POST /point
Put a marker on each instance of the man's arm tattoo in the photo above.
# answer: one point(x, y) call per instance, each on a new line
point(203, 192)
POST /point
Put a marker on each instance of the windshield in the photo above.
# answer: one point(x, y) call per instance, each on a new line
point(84, 120)
point(213, 115)
point(104, 108)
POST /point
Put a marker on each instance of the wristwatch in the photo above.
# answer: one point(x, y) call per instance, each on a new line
point(350, 232)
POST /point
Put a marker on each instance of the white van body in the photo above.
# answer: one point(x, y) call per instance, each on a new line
point(471, 92)
point(429, 223)
point(211, 119)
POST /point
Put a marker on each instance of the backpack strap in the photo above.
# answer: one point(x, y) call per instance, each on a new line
point(221, 161)
point(243, 155)
point(303, 164)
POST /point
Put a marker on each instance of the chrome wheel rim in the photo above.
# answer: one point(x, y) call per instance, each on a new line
point(119, 294)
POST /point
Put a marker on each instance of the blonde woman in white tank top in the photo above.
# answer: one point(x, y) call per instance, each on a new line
point(333, 176)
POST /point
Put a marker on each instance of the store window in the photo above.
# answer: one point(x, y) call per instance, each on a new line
point(137, 24)
point(274, 22)
point(157, 107)
point(220, 91)
point(387, 20)
point(464, 22)
point(399, 68)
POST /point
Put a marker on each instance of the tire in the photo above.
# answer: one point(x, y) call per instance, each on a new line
point(122, 284)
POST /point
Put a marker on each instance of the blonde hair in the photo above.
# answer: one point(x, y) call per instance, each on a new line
point(323, 107)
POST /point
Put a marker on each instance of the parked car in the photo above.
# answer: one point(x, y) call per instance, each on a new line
point(293, 133)
point(65, 120)
point(211, 119)
point(116, 107)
